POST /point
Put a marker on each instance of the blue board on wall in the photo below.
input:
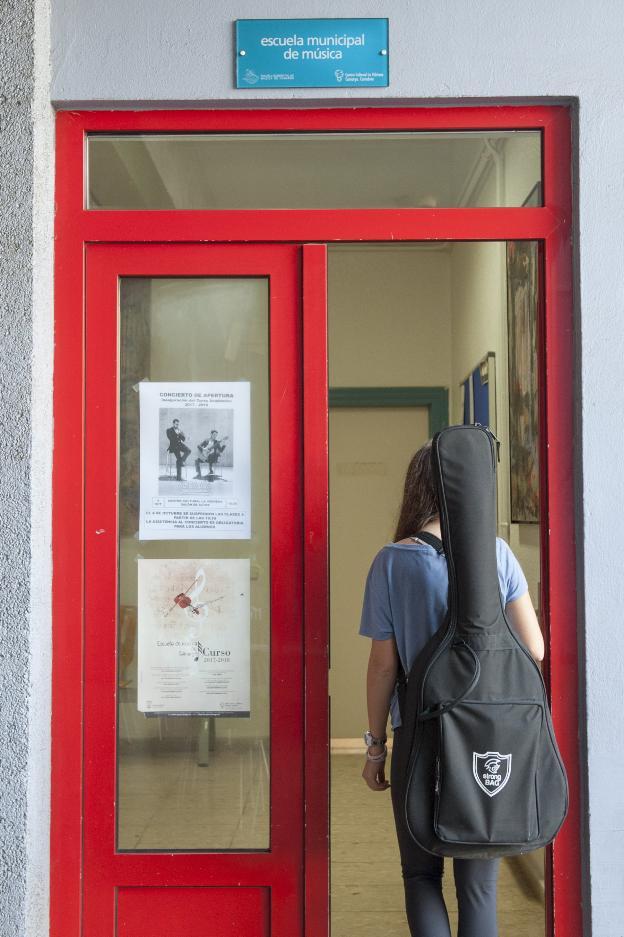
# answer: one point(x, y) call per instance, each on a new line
point(312, 53)
point(481, 397)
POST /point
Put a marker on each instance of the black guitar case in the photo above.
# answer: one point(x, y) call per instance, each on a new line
point(479, 762)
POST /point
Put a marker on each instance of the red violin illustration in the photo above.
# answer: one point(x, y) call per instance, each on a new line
point(184, 600)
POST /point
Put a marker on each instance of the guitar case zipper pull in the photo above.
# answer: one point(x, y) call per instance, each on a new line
point(495, 438)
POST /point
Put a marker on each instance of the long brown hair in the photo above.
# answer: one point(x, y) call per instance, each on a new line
point(420, 501)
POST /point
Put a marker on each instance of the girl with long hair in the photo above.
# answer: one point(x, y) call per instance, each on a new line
point(405, 602)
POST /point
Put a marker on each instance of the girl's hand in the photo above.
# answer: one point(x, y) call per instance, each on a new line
point(374, 774)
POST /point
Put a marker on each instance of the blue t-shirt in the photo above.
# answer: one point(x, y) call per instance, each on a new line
point(406, 596)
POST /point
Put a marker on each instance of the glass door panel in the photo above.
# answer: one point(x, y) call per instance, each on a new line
point(421, 335)
point(193, 781)
point(193, 589)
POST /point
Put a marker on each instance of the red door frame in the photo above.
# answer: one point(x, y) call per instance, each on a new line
point(280, 868)
point(551, 224)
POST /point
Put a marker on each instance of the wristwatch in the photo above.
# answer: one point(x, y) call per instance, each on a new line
point(369, 739)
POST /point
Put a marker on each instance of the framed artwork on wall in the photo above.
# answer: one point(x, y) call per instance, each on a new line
point(477, 393)
point(522, 307)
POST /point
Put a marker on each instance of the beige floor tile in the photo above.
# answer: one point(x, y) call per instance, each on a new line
point(369, 924)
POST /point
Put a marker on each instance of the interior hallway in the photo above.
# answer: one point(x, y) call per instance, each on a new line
point(408, 318)
point(366, 886)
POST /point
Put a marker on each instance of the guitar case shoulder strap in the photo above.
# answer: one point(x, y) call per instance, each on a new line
point(478, 761)
point(431, 539)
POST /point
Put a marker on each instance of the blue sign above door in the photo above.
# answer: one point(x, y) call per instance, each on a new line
point(314, 53)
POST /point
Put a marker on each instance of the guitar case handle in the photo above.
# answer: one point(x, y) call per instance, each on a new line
point(433, 711)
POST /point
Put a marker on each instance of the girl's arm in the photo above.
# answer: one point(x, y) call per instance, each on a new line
point(380, 682)
point(523, 620)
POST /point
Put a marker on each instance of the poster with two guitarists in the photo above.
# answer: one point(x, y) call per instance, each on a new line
point(194, 645)
point(195, 460)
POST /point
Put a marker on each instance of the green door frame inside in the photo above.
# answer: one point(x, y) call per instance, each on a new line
point(434, 398)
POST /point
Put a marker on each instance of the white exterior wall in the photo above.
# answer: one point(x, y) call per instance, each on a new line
point(153, 53)
point(26, 211)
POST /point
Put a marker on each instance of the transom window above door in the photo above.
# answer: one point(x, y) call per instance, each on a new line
point(364, 169)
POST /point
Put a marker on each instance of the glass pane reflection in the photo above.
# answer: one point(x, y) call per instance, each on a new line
point(313, 170)
point(193, 782)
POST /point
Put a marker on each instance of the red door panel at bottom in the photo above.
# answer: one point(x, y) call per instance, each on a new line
point(193, 912)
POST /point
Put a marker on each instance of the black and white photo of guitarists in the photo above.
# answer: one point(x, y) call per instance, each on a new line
point(194, 438)
point(195, 475)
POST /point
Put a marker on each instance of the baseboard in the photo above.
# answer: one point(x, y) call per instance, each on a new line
point(350, 746)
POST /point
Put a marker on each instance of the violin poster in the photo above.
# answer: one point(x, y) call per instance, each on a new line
point(194, 460)
point(194, 637)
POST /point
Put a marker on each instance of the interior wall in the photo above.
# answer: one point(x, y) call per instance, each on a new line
point(389, 324)
point(389, 317)
point(479, 304)
point(479, 310)
point(369, 449)
point(479, 325)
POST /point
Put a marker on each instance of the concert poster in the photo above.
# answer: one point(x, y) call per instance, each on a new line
point(194, 460)
point(194, 637)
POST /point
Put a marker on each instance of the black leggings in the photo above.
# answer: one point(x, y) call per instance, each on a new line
point(475, 881)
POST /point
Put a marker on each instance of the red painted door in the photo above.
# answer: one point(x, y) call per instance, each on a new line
point(193, 822)
point(103, 867)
